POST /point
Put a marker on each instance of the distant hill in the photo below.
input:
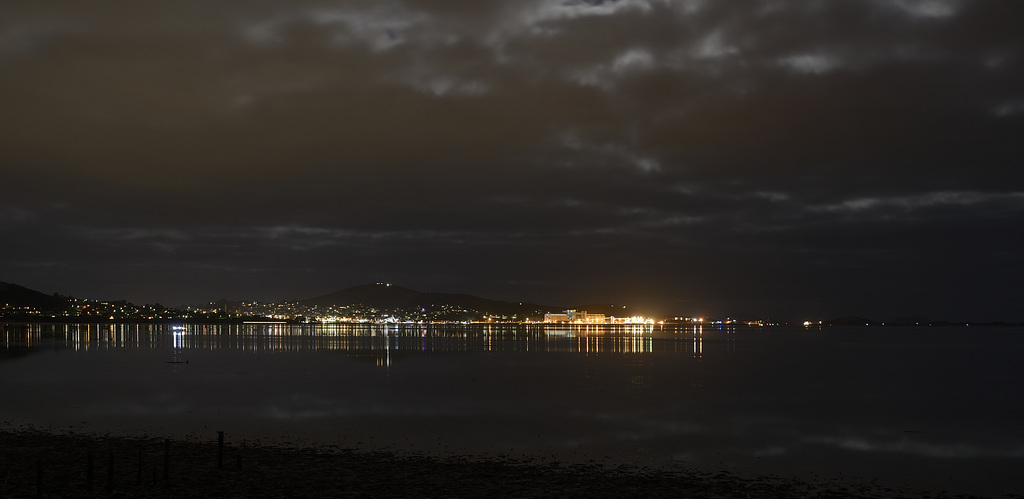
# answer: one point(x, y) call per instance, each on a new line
point(12, 295)
point(852, 321)
point(607, 309)
point(914, 320)
point(391, 297)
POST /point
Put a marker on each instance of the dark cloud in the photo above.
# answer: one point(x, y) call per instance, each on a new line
point(794, 158)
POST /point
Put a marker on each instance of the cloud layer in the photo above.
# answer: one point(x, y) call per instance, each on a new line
point(819, 157)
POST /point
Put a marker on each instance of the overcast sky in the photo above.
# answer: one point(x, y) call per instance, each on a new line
point(800, 158)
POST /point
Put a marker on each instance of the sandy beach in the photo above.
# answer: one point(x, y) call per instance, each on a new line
point(42, 464)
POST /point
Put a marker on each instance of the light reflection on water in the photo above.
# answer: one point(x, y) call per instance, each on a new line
point(360, 338)
point(938, 407)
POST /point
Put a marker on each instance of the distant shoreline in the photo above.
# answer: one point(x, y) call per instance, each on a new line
point(291, 322)
point(69, 464)
point(384, 303)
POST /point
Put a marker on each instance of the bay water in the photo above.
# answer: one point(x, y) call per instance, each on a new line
point(931, 408)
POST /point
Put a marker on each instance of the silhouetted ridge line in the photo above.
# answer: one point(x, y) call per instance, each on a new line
point(390, 296)
point(14, 295)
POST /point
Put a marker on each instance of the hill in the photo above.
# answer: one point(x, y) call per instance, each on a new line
point(385, 296)
point(15, 296)
point(608, 309)
point(852, 321)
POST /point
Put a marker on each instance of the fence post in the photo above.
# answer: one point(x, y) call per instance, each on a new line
point(89, 470)
point(220, 449)
point(39, 478)
point(110, 471)
point(167, 459)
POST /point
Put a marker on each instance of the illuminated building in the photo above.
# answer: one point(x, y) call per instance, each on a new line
point(578, 317)
point(555, 318)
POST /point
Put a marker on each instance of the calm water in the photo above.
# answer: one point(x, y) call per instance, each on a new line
point(933, 407)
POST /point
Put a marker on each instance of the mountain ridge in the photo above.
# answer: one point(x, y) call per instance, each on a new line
point(19, 302)
point(13, 295)
point(390, 296)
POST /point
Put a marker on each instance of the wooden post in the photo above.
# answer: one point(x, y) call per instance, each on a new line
point(110, 471)
point(89, 466)
point(167, 459)
point(220, 449)
point(39, 478)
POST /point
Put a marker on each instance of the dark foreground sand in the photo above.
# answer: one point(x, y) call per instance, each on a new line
point(41, 464)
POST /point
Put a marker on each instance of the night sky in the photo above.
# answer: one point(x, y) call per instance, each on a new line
point(791, 158)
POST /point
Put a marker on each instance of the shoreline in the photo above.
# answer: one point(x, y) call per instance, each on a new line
point(36, 463)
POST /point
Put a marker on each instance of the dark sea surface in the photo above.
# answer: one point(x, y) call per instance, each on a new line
point(935, 408)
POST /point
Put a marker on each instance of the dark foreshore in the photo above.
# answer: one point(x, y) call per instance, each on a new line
point(42, 464)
